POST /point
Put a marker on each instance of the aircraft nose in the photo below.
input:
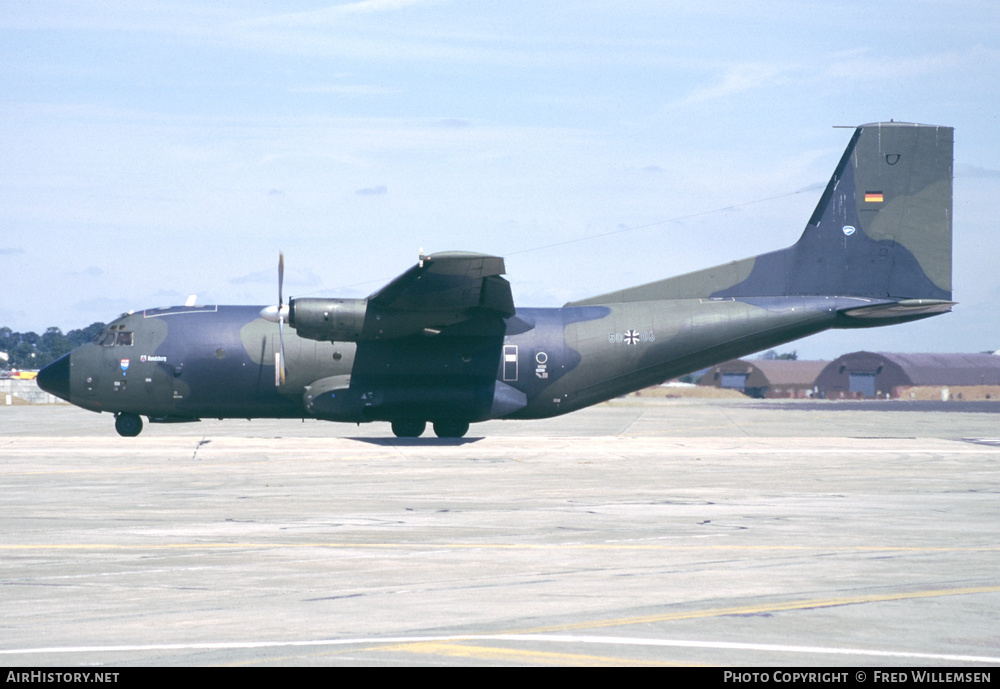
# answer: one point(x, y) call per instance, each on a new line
point(54, 378)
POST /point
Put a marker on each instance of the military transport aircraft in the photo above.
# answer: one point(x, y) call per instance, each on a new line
point(444, 342)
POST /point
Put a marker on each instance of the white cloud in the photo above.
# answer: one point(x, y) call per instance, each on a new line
point(346, 90)
point(868, 65)
point(369, 6)
point(327, 15)
point(738, 79)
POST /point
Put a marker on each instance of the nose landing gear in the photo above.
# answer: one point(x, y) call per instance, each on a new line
point(127, 424)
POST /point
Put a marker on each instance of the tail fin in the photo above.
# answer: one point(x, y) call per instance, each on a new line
point(882, 229)
point(883, 226)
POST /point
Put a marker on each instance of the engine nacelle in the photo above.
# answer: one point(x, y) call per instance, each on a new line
point(340, 320)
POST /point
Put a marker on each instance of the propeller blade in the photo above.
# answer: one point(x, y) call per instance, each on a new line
point(281, 276)
point(278, 314)
point(280, 375)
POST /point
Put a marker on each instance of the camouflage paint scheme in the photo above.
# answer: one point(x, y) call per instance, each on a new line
point(444, 343)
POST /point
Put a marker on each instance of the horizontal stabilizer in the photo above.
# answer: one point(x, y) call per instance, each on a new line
point(905, 308)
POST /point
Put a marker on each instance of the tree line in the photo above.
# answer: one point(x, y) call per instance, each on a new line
point(28, 351)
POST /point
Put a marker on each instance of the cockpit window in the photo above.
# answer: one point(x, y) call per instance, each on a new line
point(111, 339)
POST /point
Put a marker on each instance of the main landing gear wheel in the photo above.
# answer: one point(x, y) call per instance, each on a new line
point(128, 425)
point(451, 429)
point(407, 428)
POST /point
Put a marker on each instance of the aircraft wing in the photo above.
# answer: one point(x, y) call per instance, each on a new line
point(449, 282)
point(462, 292)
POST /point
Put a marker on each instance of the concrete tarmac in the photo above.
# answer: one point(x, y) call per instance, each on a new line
point(638, 532)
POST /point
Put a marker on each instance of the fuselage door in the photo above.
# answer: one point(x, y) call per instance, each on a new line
point(509, 363)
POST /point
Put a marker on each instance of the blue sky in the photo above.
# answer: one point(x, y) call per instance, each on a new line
point(152, 150)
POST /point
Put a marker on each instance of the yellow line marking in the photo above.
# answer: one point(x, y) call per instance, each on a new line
point(488, 653)
point(460, 645)
point(758, 609)
point(514, 655)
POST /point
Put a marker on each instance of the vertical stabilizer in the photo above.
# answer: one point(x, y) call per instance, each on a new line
point(882, 229)
point(883, 225)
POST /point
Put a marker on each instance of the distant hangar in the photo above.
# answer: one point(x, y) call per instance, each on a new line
point(856, 375)
point(883, 374)
point(771, 378)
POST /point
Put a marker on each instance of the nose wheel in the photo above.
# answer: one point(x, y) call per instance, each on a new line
point(128, 425)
